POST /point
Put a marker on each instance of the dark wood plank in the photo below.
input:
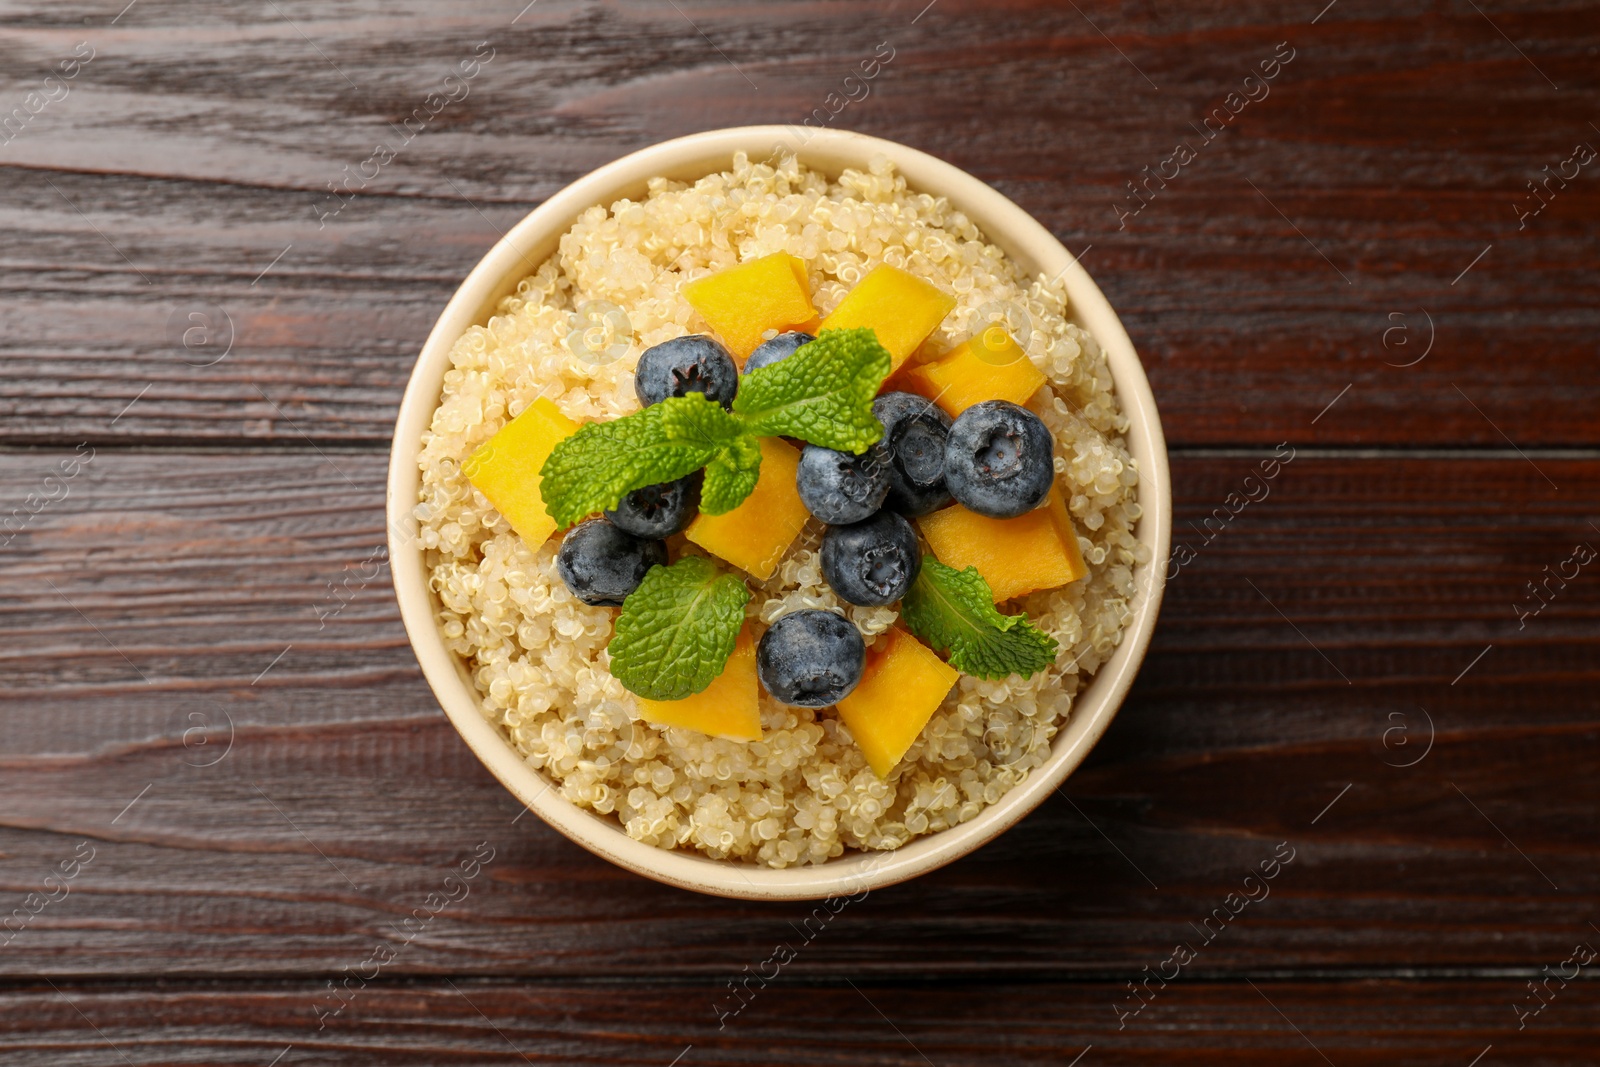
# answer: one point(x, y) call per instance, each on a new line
point(1258, 285)
point(1191, 1021)
point(169, 603)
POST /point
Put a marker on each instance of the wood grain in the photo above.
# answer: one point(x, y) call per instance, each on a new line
point(168, 605)
point(1323, 241)
point(212, 719)
point(1423, 1023)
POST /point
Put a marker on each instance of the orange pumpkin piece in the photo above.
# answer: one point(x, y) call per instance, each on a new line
point(743, 302)
point(900, 307)
point(505, 468)
point(990, 366)
point(728, 707)
point(755, 535)
point(903, 684)
point(1037, 550)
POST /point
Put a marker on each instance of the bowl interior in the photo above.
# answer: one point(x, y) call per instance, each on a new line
point(534, 240)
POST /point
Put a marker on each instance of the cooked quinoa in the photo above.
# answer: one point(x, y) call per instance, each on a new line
point(804, 793)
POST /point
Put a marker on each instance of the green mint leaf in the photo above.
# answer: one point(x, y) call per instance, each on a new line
point(604, 461)
point(677, 630)
point(694, 419)
point(731, 476)
point(822, 394)
point(951, 609)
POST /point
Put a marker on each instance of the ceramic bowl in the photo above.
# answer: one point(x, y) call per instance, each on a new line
point(533, 240)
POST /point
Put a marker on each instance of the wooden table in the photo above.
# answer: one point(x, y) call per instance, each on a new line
point(224, 787)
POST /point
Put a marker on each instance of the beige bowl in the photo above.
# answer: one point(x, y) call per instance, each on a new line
point(533, 240)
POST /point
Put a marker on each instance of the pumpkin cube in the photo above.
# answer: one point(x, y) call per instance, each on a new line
point(743, 302)
point(1037, 550)
point(990, 366)
point(505, 468)
point(902, 686)
point(726, 708)
point(755, 535)
point(900, 307)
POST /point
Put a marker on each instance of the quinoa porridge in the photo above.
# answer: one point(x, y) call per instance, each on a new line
point(538, 655)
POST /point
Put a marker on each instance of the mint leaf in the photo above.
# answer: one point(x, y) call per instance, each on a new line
point(693, 418)
point(604, 461)
point(822, 394)
point(951, 609)
point(731, 476)
point(677, 630)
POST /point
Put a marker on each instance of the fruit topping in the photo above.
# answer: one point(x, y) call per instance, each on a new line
point(691, 364)
point(840, 486)
point(822, 394)
point(903, 685)
point(873, 562)
point(900, 307)
point(602, 564)
point(914, 432)
point(742, 303)
point(728, 707)
point(990, 366)
point(505, 469)
point(659, 510)
point(779, 348)
point(755, 535)
point(811, 658)
point(1038, 550)
point(999, 459)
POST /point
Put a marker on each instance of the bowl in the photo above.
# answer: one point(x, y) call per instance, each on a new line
point(532, 241)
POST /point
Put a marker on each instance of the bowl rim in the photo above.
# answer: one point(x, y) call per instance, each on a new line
point(529, 242)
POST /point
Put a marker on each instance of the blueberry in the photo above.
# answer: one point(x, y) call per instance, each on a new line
point(839, 487)
point(999, 459)
point(780, 347)
point(871, 563)
point(914, 432)
point(691, 364)
point(659, 510)
point(602, 564)
point(811, 658)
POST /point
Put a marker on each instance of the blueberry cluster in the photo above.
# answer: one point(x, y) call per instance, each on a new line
point(996, 459)
point(603, 560)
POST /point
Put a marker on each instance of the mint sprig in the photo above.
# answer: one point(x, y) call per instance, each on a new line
point(954, 610)
point(605, 461)
point(677, 630)
point(822, 394)
point(731, 476)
